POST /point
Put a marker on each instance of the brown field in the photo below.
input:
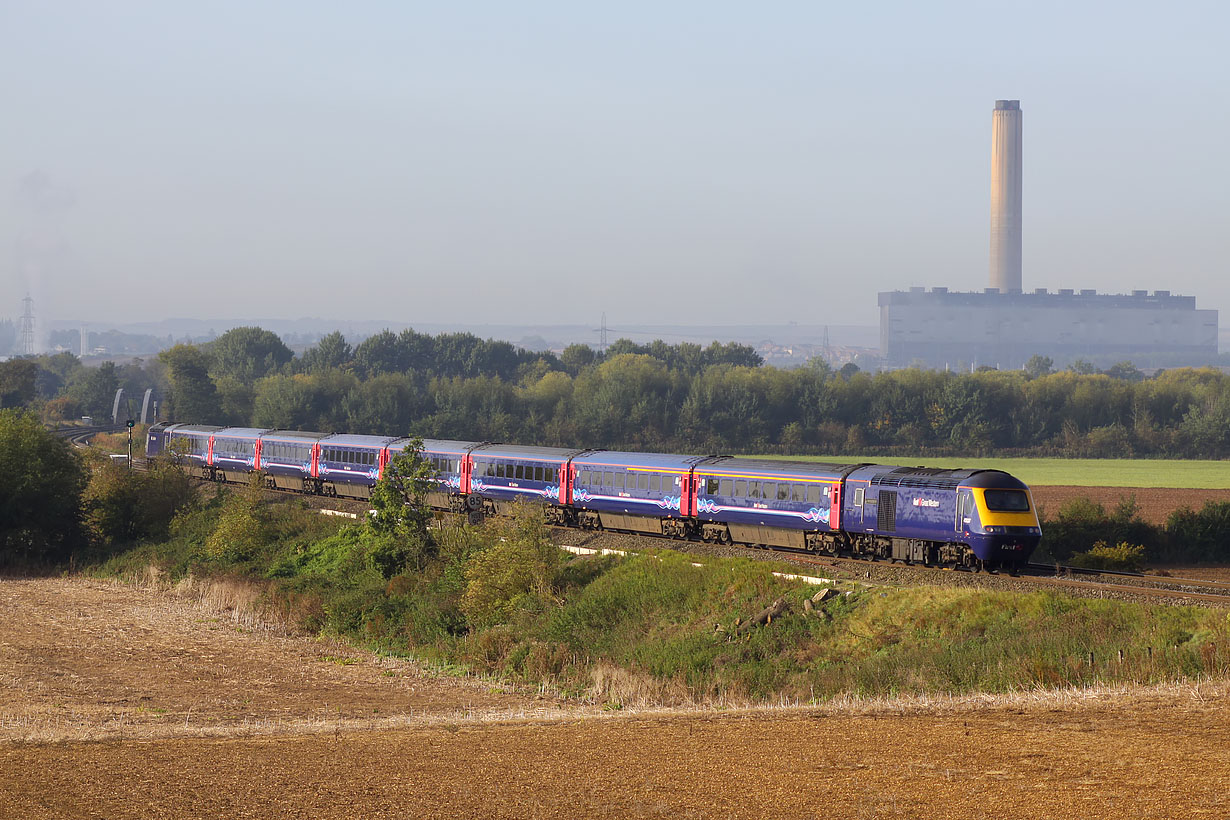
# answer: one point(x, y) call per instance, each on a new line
point(1154, 503)
point(121, 701)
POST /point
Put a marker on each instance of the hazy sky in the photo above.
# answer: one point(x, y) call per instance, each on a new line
point(712, 162)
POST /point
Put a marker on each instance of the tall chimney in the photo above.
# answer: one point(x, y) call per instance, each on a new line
point(1006, 196)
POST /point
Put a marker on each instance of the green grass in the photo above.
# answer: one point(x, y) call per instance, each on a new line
point(1077, 472)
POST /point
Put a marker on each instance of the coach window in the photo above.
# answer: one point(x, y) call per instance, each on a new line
point(753, 489)
point(740, 488)
point(725, 487)
point(548, 474)
point(711, 486)
point(768, 491)
point(783, 492)
point(519, 472)
point(813, 493)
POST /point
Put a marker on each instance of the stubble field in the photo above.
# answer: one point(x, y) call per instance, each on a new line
point(126, 701)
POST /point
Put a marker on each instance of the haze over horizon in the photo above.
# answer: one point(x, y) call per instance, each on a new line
point(545, 163)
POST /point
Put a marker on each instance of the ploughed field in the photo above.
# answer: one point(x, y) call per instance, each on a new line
point(124, 701)
point(1154, 504)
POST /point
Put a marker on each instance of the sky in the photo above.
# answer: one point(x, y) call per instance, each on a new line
point(546, 162)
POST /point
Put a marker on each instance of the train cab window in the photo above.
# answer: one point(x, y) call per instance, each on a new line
point(711, 486)
point(1006, 500)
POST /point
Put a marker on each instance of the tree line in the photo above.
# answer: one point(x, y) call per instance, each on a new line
point(685, 397)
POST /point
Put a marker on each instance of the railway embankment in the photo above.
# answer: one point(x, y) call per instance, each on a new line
point(665, 627)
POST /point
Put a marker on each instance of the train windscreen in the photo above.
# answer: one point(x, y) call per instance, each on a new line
point(1007, 501)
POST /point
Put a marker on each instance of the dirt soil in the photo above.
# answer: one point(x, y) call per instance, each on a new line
point(120, 702)
point(1154, 503)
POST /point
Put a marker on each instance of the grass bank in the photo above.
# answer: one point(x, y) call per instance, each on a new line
point(501, 600)
point(1074, 472)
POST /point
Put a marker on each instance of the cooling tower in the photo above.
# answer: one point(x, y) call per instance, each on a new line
point(1006, 196)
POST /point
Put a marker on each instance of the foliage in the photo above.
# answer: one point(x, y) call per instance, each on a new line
point(193, 394)
point(241, 530)
point(1082, 523)
point(43, 480)
point(400, 515)
point(1122, 557)
point(514, 574)
point(18, 385)
point(122, 505)
point(1200, 535)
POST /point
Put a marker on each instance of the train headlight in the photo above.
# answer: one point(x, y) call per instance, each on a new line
point(994, 530)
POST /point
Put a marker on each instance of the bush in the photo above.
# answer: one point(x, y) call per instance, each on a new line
point(1199, 536)
point(1123, 557)
point(517, 571)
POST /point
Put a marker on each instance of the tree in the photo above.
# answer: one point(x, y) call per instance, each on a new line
point(248, 353)
point(1126, 371)
point(41, 497)
point(194, 397)
point(399, 512)
point(379, 354)
point(1039, 366)
point(331, 351)
point(93, 388)
point(577, 357)
point(17, 383)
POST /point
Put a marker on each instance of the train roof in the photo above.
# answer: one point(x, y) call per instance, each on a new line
point(437, 445)
point(201, 429)
point(652, 461)
point(515, 451)
point(936, 478)
point(352, 440)
point(775, 468)
point(241, 432)
point(292, 435)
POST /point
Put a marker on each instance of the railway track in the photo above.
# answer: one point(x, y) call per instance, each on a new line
point(80, 436)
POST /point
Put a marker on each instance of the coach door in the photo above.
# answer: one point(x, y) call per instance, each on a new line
point(965, 510)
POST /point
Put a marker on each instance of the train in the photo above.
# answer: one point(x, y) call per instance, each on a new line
point(974, 519)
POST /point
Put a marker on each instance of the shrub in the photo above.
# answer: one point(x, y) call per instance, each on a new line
point(1123, 557)
point(517, 571)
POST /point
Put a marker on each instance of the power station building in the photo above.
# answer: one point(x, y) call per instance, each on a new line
point(1003, 327)
point(936, 328)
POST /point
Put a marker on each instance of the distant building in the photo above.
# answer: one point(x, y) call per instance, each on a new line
point(937, 328)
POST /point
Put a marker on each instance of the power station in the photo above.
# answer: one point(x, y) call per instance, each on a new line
point(1002, 326)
